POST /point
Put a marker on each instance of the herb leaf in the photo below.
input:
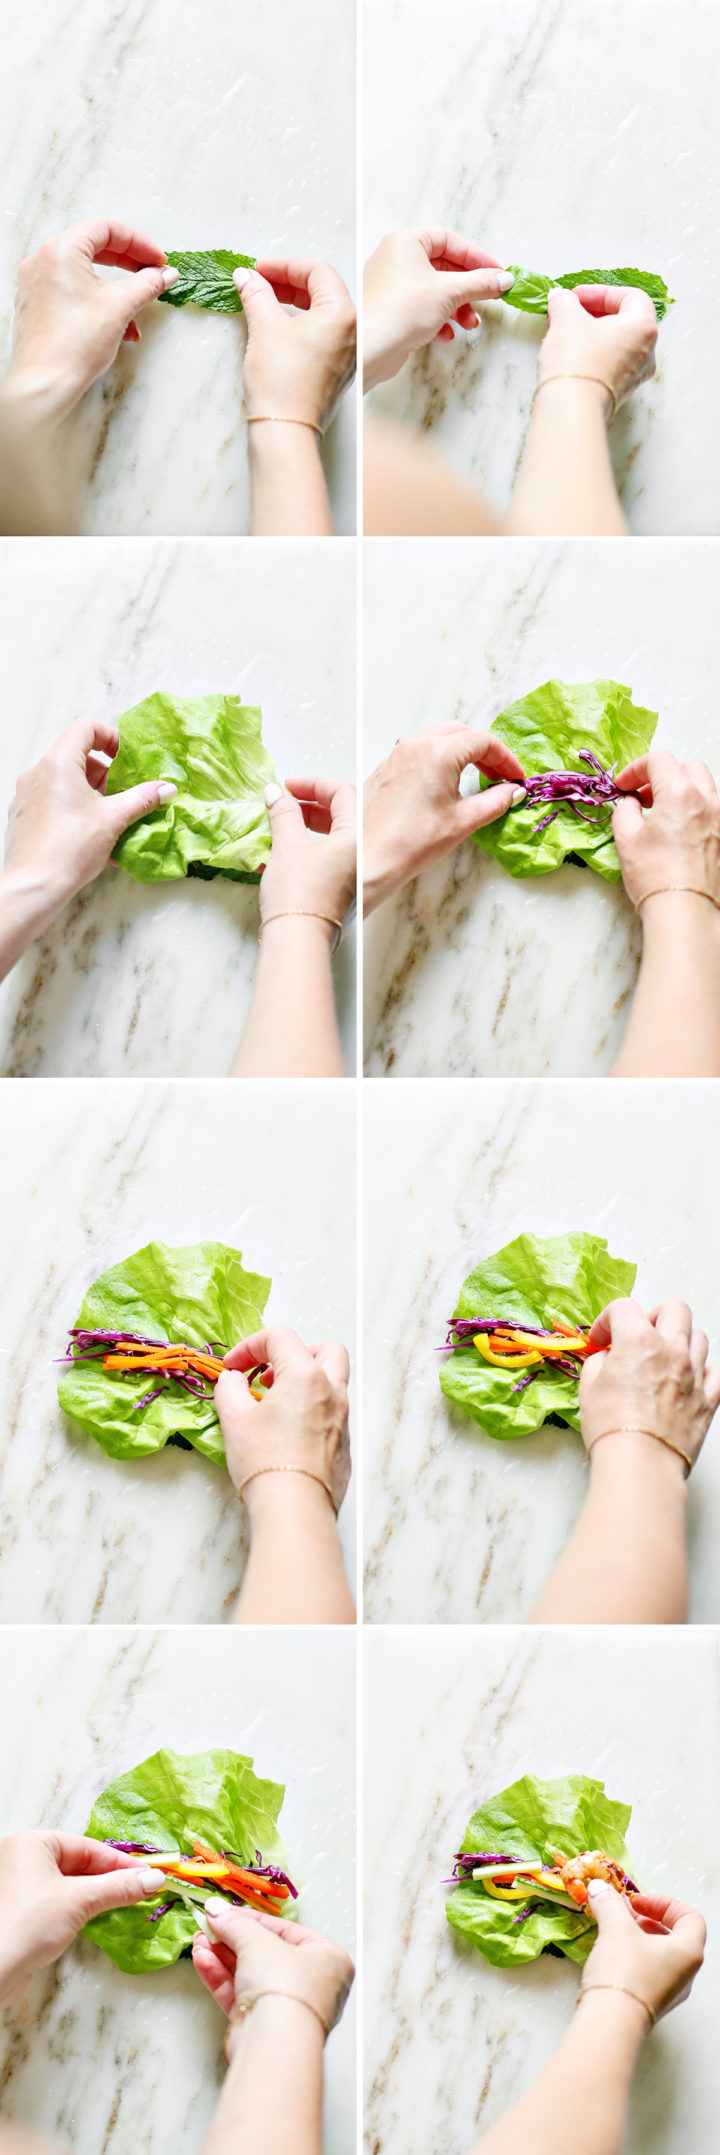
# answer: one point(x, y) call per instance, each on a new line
point(205, 280)
point(530, 290)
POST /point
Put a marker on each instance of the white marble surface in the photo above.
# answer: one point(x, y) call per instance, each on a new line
point(91, 1173)
point(450, 2041)
point(91, 630)
point(202, 128)
point(460, 1527)
point(127, 2063)
point(563, 137)
point(461, 971)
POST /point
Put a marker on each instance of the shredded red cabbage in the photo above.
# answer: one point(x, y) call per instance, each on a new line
point(92, 1344)
point(578, 790)
point(461, 1329)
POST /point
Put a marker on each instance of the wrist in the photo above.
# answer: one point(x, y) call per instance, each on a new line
point(629, 1456)
point(677, 913)
point(612, 2017)
point(296, 1497)
point(298, 929)
point(567, 390)
point(274, 2020)
point(30, 899)
point(39, 396)
point(381, 883)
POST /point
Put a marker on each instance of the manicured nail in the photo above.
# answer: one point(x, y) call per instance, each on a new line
point(170, 275)
point(152, 1881)
point(240, 278)
point(166, 791)
point(215, 1908)
point(504, 280)
point(272, 794)
point(519, 793)
point(597, 1886)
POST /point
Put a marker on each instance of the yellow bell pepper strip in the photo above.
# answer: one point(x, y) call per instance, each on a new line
point(503, 1361)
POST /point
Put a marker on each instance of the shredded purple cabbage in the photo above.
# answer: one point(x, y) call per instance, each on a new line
point(578, 790)
point(90, 1345)
point(461, 1329)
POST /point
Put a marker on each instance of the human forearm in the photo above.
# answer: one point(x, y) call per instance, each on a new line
point(27, 905)
point(565, 484)
point(291, 1029)
point(578, 2105)
point(288, 494)
point(674, 1024)
point(295, 1572)
point(626, 1561)
point(263, 2111)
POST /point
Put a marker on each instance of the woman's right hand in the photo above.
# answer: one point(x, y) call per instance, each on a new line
point(603, 332)
point(414, 813)
point(652, 1374)
point(301, 1421)
point(313, 864)
point(297, 365)
point(646, 1944)
point(256, 1954)
point(677, 840)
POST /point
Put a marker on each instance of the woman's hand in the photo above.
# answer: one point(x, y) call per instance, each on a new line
point(296, 365)
point(62, 827)
point(303, 1419)
point(678, 840)
point(417, 283)
point(647, 1944)
point(257, 1954)
point(602, 330)
point(302, 875)
point(51, 1885)
point(69, 322)
point(652, 1375)
point(414, 814)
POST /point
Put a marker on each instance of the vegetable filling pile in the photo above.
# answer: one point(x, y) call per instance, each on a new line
point(258, 1885)
point(577, 790)
point(125, 1354)
point(507, 1343)
point(563, 1882)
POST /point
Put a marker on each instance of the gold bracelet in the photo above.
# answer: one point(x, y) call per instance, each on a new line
point(585, 1987)
point(290, 1470)
point(661, 889)
point(630, 1429)
point(281, 419)
point(305, 912)
point(248, 2003)
point(570, 377)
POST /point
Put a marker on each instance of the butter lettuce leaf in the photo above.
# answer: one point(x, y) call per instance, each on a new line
point(570, 1278)
point(530, 290)
point(547, 728)
point(211, 748)
point(170, 1799)
point(530, 1819)
point(205, 280)
point(198, 1293)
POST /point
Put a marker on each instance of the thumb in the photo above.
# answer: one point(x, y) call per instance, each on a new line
point(257, 295)
point(125, 808)
point(136, 292)
point(286, 816)
point(467, 286)
point(627, 820)
point(609, 1909)
point(93, 1896)
point(477, 809)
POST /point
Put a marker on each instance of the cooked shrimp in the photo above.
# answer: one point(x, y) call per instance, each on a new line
point(575, 1871)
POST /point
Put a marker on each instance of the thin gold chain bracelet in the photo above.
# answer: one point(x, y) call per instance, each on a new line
point(631, 1429)
point(282, 1469)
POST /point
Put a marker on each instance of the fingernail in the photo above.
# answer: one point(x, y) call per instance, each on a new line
point(152, 1881)
point(505, 279)
point(169, 276)
point(519, 793)
point(597, 1886)
point(166, 791)
point(272, 794)
point(240, 278)
point(215, 1908)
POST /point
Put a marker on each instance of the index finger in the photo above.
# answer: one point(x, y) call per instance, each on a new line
point(331, 804)
point(648, 773)
point(299, 282)
point(599, 299)
point(78, 1857)
point(491, 755)
point(87, 734)
point(675, 1915)
point(621, 1320)
point(447, 250)
point(333, 1357)
point(106, 240)
point(278, 1345)
point(672, 1317)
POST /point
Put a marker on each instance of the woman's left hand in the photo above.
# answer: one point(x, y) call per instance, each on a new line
point(307, 874)
point(51, 1885)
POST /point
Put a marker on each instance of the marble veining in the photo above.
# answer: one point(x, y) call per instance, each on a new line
point(461, 1528)
point(562, 137)
point(140, 980)
point(202, 130)
point(470, 972)
point(104, 2060)
point(450, 2041)
point(91, 1173)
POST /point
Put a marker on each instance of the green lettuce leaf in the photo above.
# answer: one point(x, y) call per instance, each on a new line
point(205, 280)
point(570, 1278)
point(198, 1293)
point(170, 1799)
point(530, 1820)
point(211, 748)
point(546, 729)
point(530, 290)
